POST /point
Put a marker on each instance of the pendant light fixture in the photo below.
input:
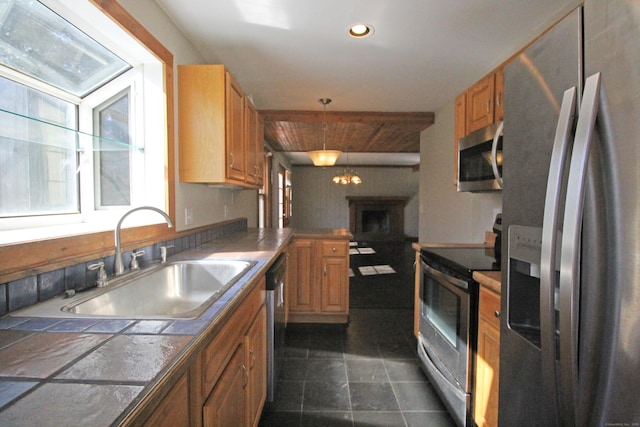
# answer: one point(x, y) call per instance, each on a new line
point(324, 157)
point(348, 176)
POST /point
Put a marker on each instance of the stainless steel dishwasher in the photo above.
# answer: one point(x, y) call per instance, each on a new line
point(276, 318)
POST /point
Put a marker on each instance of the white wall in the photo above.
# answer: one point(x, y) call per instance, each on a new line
point(445, 214)
point(318, 202)
point(208, 203)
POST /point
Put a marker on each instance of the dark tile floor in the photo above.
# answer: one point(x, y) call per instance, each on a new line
point(365, 373)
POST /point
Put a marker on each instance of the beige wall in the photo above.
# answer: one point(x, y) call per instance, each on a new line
point(445, 214)
point(208, 203)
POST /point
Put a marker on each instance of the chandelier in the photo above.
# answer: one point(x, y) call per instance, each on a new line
point(348, 176)
point(324, 157)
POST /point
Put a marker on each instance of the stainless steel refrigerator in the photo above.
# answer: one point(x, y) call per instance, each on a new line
point(570, 331)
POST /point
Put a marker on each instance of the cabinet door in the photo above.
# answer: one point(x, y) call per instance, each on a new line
point(487, 361)
point(256, 359)
point(173, 411)
point(236, 161)
point(302, 291)
point(480, 104)
point(251, 137)
point(227, 403)
point(499, 95)
point(335, 285)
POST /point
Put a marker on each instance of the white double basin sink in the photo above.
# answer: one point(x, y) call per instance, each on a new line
point(174, 290)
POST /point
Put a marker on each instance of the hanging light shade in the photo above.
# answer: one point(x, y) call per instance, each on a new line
point(324, 157)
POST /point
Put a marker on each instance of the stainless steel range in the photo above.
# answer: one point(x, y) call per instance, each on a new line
point(447, 336)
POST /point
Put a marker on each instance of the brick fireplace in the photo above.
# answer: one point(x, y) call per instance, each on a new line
point(377, 218)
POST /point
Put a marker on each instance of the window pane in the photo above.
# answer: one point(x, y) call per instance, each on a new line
point(38, 160)
point(36, 41)
point(114, 166)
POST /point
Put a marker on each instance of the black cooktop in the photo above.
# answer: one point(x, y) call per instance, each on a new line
point(463, 261)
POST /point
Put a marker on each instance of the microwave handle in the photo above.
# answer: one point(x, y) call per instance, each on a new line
point(494, 152)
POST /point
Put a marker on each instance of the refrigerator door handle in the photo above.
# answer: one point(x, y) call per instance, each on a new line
point(550, 237)
point(570, 252)
point(494, 152)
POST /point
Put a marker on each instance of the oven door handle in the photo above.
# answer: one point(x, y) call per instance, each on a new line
point(444, 278)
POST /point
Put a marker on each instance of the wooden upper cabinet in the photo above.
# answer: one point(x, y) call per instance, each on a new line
point(236, 149)
point(254, 136)
point(212, 129)
point(480, 104)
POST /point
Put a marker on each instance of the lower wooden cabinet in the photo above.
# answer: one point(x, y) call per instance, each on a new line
point(319, 280)
point(229, 376)
point(256, 364)
point(173, 411)
point(227, 403)
point(487, 360)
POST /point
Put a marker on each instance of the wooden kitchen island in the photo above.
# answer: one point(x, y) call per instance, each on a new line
point(319, 276)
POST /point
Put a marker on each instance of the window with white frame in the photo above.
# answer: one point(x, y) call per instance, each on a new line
point(82, 117)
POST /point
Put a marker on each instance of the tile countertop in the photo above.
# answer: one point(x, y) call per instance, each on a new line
point(98, 372)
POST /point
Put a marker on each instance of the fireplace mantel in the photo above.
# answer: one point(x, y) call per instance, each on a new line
point(391, 208)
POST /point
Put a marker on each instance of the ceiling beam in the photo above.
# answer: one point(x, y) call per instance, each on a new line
point(364, 117)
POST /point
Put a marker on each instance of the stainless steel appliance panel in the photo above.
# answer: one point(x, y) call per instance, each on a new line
point(535, 83)
point(448, 330)
point(610, 239)
point(480, 160)
point(595, 354)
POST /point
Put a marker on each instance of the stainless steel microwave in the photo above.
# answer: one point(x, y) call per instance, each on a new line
point(480, 160)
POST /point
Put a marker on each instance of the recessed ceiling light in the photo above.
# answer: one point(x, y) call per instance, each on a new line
point(360, 30)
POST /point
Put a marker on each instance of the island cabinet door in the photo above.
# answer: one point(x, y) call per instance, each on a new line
point(302, 292)
point(335, 276)
point(335, 289)
point(227, 405)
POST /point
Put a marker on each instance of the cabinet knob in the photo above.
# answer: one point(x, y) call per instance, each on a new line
point(496, 313)
point(334, 249)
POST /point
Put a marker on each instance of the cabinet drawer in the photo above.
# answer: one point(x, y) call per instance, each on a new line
point(490, 307)
point(334, 248)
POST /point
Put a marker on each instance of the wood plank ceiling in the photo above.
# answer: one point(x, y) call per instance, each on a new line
point(358, 132)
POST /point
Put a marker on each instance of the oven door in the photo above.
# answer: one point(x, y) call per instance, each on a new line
point(446, 324)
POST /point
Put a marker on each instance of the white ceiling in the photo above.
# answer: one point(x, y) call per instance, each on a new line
point(289, 53)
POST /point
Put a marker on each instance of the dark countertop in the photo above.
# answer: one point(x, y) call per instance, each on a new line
point(489, 279)
point(324, 233)
point(98, 372)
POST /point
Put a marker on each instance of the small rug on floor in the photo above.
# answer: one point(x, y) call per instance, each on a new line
point(376, 269)
point(362, 251)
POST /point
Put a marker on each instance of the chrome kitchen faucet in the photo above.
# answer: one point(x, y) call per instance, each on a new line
point(119, 266)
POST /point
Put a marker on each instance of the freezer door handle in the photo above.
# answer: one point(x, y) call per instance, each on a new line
point(570, 252)
point(550, 235)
